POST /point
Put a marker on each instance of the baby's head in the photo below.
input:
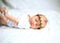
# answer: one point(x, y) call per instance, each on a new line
point(38, 21)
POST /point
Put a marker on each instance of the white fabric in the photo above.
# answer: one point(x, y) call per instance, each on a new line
point(11, 24)
point(23, 21)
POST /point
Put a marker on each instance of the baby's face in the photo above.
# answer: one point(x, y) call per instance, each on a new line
point(35, 21)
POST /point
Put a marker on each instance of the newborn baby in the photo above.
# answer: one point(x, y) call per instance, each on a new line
point(37, 21)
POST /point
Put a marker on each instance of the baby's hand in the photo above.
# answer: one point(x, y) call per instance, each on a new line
point(5, 11)
point(1, 10)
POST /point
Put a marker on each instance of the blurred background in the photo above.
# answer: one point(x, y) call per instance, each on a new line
point(31, 4)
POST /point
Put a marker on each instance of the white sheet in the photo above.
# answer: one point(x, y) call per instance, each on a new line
point(23, 36)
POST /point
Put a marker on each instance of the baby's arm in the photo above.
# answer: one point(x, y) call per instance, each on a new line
point(13, 19)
